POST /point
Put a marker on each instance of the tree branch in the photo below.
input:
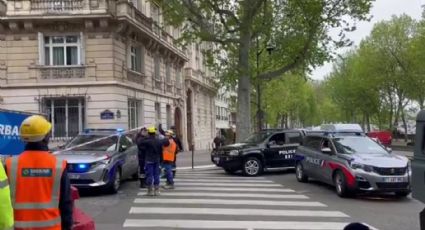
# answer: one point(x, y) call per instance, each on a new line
point(295, 62)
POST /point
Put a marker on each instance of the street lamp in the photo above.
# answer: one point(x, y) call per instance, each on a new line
point(260, 113)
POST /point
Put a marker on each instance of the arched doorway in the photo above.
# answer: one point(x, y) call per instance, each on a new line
point(178, 122)
point(189, 118)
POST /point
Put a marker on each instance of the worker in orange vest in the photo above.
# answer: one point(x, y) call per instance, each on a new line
point(39, 185)
point(168, 157)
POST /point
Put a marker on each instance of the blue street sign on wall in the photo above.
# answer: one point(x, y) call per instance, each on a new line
point(107, 115)
point(10, 143)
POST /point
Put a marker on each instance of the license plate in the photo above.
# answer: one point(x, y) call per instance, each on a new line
point(74, 176)
point(216, 160)
point(394, 179)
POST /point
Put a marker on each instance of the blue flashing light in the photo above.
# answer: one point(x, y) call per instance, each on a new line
point(82, 166)
point(120, 130)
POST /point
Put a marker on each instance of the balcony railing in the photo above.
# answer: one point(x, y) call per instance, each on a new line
point(57, 6)
point(136, 77)
point(62, 72)
point(156, 82)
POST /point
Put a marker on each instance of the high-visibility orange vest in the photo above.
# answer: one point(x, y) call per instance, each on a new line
point(34, 178)
point(169, 152)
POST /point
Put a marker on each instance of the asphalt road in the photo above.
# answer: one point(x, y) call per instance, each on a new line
point(207, 198)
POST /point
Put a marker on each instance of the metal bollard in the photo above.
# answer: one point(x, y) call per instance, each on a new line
point(193, 156)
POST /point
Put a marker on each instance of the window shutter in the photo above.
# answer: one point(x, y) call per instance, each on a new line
point(82, 49)
point(40, 49)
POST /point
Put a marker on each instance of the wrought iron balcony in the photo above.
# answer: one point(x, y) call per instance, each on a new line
point(57, 6)
point(62, 72)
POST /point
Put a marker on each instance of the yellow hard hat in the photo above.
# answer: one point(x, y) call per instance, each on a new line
point(169, 132)
point(151, 130)
point(34, 128)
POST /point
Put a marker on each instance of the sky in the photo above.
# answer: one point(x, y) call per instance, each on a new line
point(381, 10)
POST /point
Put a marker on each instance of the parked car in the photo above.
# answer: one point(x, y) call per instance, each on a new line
point(265, 150)
point(352, 163)
point(384, 137)
point(100, 158)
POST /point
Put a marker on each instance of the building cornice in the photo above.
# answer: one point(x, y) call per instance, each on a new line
point(85, 84)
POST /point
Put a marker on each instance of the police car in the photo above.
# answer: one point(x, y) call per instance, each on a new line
point(265, 150)
point(352, 162)
point(100, 158)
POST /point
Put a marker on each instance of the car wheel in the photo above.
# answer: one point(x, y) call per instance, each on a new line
point(115, 183)
point(341, 185)
point(252, 166)
point(300, 173)
point(230, 171)
point(402, 194)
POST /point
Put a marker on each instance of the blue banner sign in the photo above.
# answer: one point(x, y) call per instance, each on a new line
point(10, 143)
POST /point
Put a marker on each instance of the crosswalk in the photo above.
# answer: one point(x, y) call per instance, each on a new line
point(210, 199)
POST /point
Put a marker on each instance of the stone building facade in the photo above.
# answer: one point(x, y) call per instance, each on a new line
point(103, 64)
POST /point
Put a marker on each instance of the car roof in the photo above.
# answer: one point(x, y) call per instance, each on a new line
point(329, 134)
point(102, 132)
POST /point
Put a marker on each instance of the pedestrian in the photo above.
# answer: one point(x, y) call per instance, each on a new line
point(39, 184)
point(141, 135)
point(218, 141)
point(356, 226)
point(179, 148)
point(168, 156)
point(153, 154)
point(6, 213)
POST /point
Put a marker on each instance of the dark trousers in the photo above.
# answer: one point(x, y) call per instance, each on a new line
point(169, 172)
point(152, 173)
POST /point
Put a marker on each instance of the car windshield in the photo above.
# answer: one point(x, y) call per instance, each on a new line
point(358, 145)
point(93, 143)
point(256, 138)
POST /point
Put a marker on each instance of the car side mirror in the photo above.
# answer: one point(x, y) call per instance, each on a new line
point(123, 148)
point(271, 143)
point(327, 151)
point(390, 150)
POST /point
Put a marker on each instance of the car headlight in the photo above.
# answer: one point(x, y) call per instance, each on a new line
point(366, 168)
point(234, 153)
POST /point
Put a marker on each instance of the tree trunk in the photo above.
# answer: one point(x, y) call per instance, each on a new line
point(243, 121)
point(368, 122)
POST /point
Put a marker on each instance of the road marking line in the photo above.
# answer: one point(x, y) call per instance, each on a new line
point(224, 180)
point(220, 177)
point(229, 185)
point(244, 195)
point(232, 189)
point(198, 167)
point(230, 202)
point(236, 212)
point(208, 224)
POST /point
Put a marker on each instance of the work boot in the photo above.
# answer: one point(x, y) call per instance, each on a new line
point(168, 186)
point(142, 183)
point(150, 191)
point(156, 192)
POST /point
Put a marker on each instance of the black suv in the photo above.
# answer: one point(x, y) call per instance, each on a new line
point(268, 149)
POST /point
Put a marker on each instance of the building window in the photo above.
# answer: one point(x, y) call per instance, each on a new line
point(134, 112)
point(168, 108)
point(66, 115)
point(157, 113)
point(168, 73)
point(157, 63)
point(62, 50)
point(178, 78)
point(155, 12)
point(136, 59)
point(217, 113)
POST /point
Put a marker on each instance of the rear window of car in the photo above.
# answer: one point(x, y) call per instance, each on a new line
point(93, 143)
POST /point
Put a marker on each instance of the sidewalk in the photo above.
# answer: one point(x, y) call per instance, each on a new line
point(200, 157)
